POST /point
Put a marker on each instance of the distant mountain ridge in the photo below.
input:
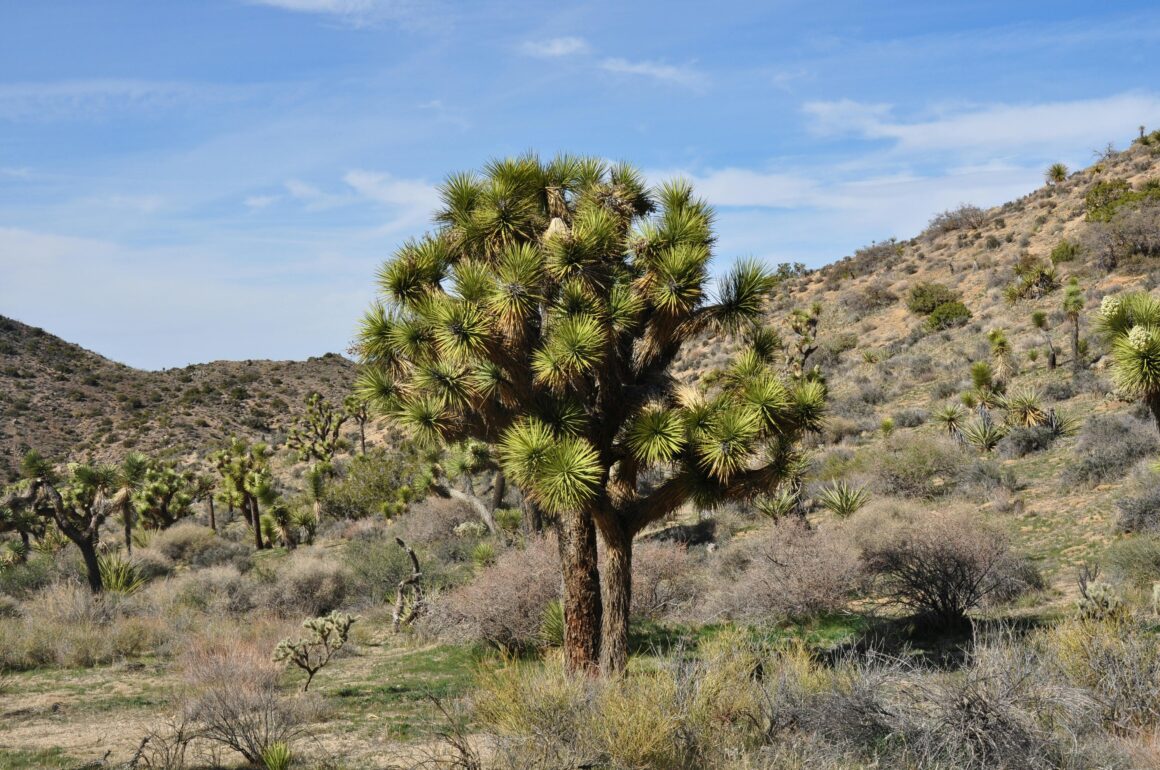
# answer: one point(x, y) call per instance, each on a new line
point(71, 404)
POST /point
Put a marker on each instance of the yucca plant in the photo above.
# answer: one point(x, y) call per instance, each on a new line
point(1040, 321)
point(542, 318)
point(779, 505)
point(951, 417)
point(483, 554)
point(1002, 362)
point(1131, 324)
point(119, 574)
point(1024, 408)
point(843, 499)
point(1056, 173)
point(277, 756)
point(552, 625)
point(983, 433)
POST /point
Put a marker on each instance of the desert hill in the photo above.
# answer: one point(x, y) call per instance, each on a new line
point(70, 403)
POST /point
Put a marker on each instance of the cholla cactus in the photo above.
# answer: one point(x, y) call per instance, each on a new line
point(328, 635)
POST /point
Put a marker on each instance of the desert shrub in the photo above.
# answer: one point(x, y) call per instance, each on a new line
point(377, 565)
point(1064, 251)
point(917, 466)
point(1107, 447)
point(945, 565)
point(215, 590)
point(911, 418)
point(663, 579)
point(1023, 441)
point(1118, 660)
point(787, 571)
point(231, 696)
point(377, 483)
point(1135, 560)
point(505, 604)
point(307, 584)
point(434, 520)
point(873, 393)
point(876, 295)
point(151, 563)
point(924, 298)
point(948, 316)
point(198, 546)
point(38, 571)
point(965, 217)
point(1140, 512)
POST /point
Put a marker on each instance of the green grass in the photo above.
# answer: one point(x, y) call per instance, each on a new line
point(46, 759)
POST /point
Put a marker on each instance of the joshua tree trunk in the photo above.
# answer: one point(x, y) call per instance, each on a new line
point(582, 608)
point(127, 517)
point(212, 516)
point(617, 598)
point(362, 437)
point(1075, 363)
point(533, 516)
point(1153, 400)
point(499, 487)
point(25, 541)
point(92, 567)
point(256, 522)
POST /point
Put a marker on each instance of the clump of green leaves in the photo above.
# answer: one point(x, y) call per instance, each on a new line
point(326, 636)
point(843, 499)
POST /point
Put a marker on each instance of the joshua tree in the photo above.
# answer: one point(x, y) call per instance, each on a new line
point(542, 318)
point(1039, 321)
point(79, 504)
point(241, 466)
point(130, 478)
point(1073, 306)
point(316, 432)
point(1056, 173)
point(357, 409)
point(1131, 323)
point(1002, 363)
point(203, 488)
point(166, 495)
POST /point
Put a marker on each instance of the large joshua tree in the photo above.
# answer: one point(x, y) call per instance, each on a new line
point(1131, 323)
point(542, 317)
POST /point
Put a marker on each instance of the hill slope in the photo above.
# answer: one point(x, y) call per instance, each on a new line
point(68, 402)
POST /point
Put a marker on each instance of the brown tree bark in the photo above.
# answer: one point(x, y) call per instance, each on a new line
point(617, 569)
point(1075, 363)
point(88, 551)
point(212, 515)
point(498, 489)
point(127, 515)
point(256, 522)
point(576, 536)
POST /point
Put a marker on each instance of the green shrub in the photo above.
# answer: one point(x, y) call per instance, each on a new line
point(1136, 560)
point(843, 499)
point(918, 466)
point(947, 316)
point(1108, 447)
point(924, 298)
point(1064, 251)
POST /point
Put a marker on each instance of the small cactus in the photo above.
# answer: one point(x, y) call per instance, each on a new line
point(328, 635)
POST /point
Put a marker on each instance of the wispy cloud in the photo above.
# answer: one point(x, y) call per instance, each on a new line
point(992, 127)
point(357, 13)
point(666, 73)
point(410, 200)
point(80, 98)
point(555, 47)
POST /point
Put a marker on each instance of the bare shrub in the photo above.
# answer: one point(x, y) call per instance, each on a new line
point(232, 696)
point(788, 570)
point(663, 579)
point(944, 565)
point(965, 217)
point(307, 584)
point(1108, 446)
point(198, 546)
point(214, 589)
point(505, 604)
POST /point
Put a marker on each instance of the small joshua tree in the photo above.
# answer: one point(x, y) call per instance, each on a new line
point(327, 635)
point(1056, 173)
point(1039, 321)
point(1073, 306)
point(359, 411)
point(316, 434)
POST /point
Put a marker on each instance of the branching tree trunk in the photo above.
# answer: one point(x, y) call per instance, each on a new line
point(413, 585)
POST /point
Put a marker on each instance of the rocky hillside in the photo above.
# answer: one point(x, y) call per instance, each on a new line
point(71, 403)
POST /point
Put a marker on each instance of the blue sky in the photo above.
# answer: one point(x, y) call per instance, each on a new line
point(184, 181)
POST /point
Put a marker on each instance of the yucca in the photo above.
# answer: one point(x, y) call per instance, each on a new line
point(843, 499)
point(542, 318)
point(1131, 324)
point(951, 417)
point(1024, 408)
point(983, 433)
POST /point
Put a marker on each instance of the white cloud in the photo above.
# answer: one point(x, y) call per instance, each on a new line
point(70, 98)
point(411, 200)
point(994, 128)
point(358, 13)
point(555, 47)
point(261, 201)
point(667, 73)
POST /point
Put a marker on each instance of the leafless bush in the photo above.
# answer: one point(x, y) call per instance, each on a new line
point(504, 605)
point(664, 579)
point(944, 565)
point(307, 584)
point(788, 571)
point(233, 698)
point(198, 546)
point(213, 589)
point(965, 217)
